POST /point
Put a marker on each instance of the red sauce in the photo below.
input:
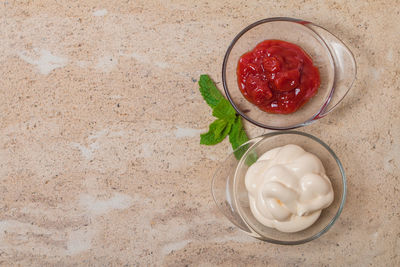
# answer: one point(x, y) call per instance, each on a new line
point(277, 76)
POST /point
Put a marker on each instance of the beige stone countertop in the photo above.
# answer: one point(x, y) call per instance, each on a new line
point(100, 116)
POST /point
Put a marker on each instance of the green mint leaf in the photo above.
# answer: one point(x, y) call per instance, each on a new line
point(209, 91)
point(251, 159)
point(217, 132)
point(224, 110)
point(237, 136)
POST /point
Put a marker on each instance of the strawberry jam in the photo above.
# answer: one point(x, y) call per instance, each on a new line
point(277, 76)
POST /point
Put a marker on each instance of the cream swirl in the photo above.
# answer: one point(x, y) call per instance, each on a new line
point(288, 188)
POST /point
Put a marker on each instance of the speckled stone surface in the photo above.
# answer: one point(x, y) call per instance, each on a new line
point(100, 115)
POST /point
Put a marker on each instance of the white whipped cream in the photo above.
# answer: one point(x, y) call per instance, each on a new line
point(288, 188)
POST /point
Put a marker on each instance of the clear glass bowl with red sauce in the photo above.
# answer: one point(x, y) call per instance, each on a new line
point(328, 62)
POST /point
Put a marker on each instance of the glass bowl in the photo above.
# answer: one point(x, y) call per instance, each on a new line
point(230, 194)
point(334, 60)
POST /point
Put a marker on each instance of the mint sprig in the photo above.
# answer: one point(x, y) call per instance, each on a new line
point(228, 122)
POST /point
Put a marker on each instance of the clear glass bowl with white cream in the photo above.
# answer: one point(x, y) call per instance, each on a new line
point(283, 187)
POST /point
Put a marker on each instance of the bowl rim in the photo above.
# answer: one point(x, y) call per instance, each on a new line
point(224, 65)
point(342, 201)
